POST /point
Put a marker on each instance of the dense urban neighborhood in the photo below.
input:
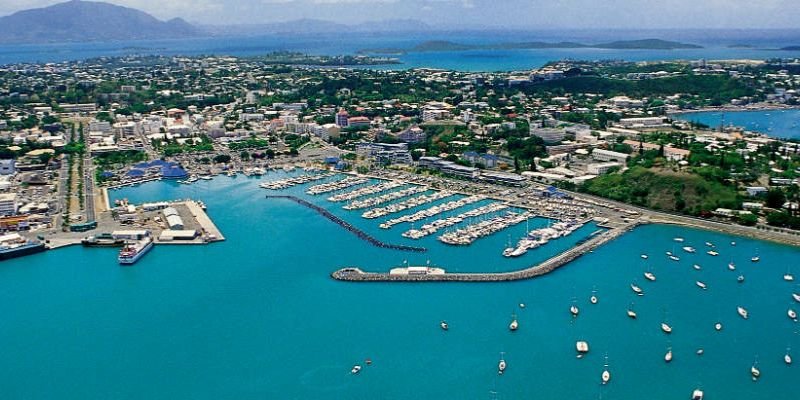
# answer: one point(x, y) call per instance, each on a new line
point(606, 128)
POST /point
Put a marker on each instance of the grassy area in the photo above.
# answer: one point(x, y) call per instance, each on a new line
point(664, 190)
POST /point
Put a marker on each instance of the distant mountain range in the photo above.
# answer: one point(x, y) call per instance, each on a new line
point(443, 45)
point(80, 21)
point(86, 21)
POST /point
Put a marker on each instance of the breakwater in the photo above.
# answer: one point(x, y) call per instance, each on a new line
point(357, 275)
point(347, 226)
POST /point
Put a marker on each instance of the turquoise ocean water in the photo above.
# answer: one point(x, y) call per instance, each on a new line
point(775, 123)
point(716, 45)
point(258, 316)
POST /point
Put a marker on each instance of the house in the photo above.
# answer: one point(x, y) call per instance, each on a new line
point(754, 191)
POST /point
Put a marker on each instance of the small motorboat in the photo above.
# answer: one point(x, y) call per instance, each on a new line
point(742, 312)
point(501, 366)
point(701, 285)
point(649, 276)
point(697, 394)
point(689, 249)
point(740, 279)
point(755, 259)
point(733, 243)
point(792, 314)
point(712, 253)
point(718, 326)
point(521, 305)
point(732, 266)
point(631, 314)
point(356, 369)
point(709, 244)
point(796, 297)
point(696, 267)
point(787, 358)
point(644, 256)
point(674, 258)
point(666, 328)
point(574, 310)
point(593, 299)
point(444, 325)
point(678, 239)
point(788, 277)
point(700, 352)
point(668, 356)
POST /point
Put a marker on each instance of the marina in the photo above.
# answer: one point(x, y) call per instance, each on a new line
point(336, 185)
point(365, 191)
point(406, 204)
point(435, 226)
point(431, 212)
point(386, 198)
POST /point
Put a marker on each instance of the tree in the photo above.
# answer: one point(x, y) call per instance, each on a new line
point(222, 159)
point(775, 198)
point(747, 219)
point(244, 156)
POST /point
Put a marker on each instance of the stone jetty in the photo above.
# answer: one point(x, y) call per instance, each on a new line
point(346, 225)
point(354, 274)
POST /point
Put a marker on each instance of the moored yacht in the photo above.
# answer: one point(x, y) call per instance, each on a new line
point(796, 297)
point(574, 310)
point(696, 267)
point(514, 325)
point(712, 253)
point(689, 249)
point(718, 326)
point(792, 314)
point(701, 285)
point(644, 256)
point(731, 266)
point(787, 358)
point(637, 289)
point(697, 394)
point(605, 377)
point(501, 365)
point(754, 371)
point(649, 276)
point(444, 325)
point(668, 356)
point(742, 312)
point(666, 328)
point(356, 369)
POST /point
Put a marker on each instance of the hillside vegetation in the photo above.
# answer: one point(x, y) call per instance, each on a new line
point(664, 190)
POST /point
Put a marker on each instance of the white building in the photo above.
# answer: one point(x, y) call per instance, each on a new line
point(7, 167)
point(608, 155)
point(8, 204)
point(602, 168)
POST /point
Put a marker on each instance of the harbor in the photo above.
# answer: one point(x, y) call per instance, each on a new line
point(241, 275)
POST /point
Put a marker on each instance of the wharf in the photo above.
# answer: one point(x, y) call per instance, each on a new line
point(208, 231)
point(344, 224)
point(357, 275)
point(135, 182)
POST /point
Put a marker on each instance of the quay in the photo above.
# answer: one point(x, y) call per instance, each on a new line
point(209, 231)
point(344, 224)
point(357, 275)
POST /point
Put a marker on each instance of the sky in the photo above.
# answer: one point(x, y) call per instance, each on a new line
point(515, 14)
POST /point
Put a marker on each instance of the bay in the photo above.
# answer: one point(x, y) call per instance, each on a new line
point(258, 316)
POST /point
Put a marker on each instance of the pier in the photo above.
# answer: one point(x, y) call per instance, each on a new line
point(346, 225)
point(357, 275)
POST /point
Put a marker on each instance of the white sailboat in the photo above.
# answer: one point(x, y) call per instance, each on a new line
point(514, 325)
point(666, 328)
point(787, 358)
point(668, 356)
point(650, 276)
point(573, 309)
point(593, 298)
point(637, 289)
point(501, 365)
point(605, 377)
point(701, 285)
point(742, 312)
point(792, 314)
point(754, 371)
point(796, 297)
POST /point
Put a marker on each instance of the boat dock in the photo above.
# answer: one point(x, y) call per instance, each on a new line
point(344, 224)
point(357, 275)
